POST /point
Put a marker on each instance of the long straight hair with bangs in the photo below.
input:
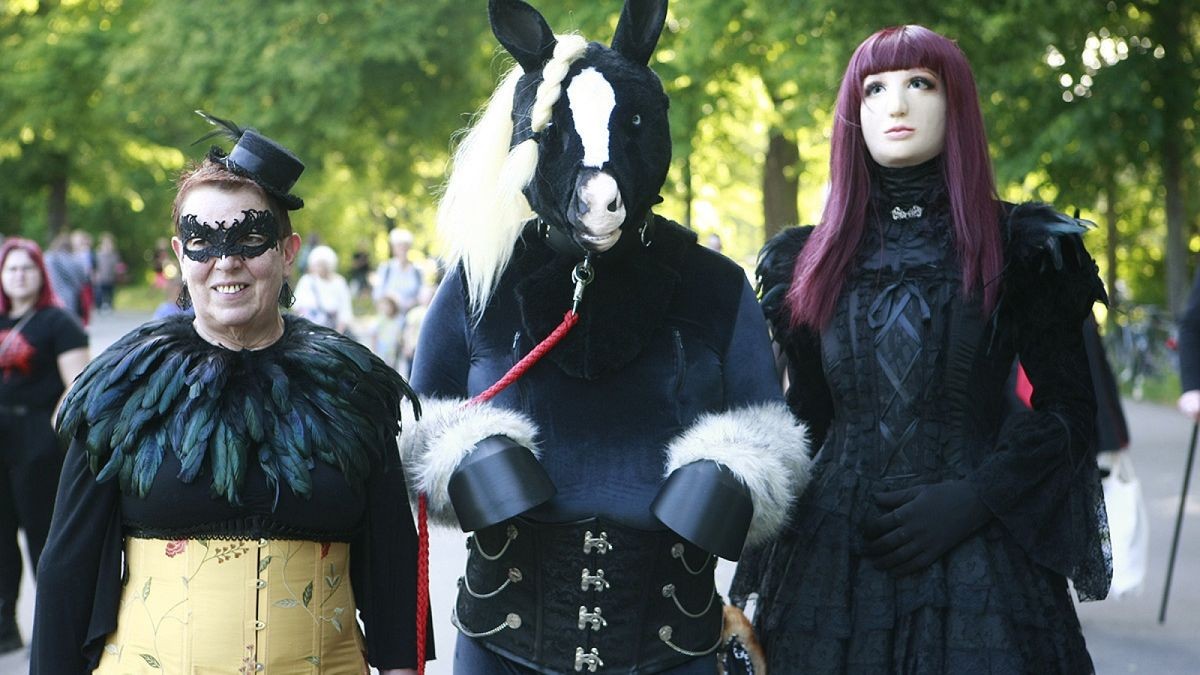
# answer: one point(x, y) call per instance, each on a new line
point(46, 297)
point(822, 266)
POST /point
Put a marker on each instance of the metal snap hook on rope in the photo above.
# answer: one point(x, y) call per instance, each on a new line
point(582, 275)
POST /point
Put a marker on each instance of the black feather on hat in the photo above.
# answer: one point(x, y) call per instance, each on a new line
point(273, 167)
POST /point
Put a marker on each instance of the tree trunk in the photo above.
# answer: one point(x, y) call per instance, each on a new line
point(780, 184)
point(56, 206)
point(688, 194)
point(1177, 100)
point(1111, 239)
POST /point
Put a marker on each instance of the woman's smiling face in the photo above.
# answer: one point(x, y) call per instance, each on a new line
point(903, 115)
point(233, 294)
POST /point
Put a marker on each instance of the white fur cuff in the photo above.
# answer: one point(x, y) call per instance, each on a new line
point(764, 446)
point(433, 447)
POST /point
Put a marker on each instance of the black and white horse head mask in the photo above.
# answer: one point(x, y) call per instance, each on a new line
point(603, 154)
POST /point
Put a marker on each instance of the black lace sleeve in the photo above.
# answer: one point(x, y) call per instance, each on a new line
point(808, 392)
point(1041, 480)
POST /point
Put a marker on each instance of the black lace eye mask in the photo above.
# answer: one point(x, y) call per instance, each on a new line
point(256, 233)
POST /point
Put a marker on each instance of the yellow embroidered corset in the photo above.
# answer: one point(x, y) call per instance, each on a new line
point(202, 607)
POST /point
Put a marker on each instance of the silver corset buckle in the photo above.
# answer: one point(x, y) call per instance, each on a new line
point(589, 581)
point(590, 659)
point(593, 618)
point(600, 543)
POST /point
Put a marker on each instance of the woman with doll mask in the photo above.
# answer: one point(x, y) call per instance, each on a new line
point(938, 533)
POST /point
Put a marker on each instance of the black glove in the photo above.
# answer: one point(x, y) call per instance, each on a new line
point(920, 524)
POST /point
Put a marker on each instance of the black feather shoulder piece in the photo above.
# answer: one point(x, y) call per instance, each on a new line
point(1047, 268)
point(776, 265)
point(314, 395)
point(1037, 237)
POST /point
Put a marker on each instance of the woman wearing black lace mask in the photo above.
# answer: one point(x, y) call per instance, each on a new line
point(243, 463)
point(938, 534)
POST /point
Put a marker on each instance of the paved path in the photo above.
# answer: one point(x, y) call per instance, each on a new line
point(1123, 635)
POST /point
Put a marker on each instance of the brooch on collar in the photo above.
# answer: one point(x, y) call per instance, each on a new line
point(900, 214)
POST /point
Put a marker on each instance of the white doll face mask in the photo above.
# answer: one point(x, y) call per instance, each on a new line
point(903, 114)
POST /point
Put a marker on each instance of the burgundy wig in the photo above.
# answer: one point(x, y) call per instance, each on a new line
point(46, 297)
point(822, 266)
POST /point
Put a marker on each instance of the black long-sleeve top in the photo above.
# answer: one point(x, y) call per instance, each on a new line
point(292, 484)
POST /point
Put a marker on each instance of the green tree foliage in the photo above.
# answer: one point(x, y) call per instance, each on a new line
point(1089, 106)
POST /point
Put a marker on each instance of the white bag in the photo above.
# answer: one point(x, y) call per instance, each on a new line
point(1128, 523)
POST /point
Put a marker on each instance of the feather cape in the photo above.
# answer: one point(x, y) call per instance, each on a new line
point(313, 395)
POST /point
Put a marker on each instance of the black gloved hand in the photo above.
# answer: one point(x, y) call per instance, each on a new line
point(919, 524)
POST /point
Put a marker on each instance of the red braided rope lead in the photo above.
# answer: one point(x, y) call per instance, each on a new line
point(422, 581)
point(513, 374)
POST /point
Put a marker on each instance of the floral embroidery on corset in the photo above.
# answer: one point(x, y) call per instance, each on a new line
point(303, 579)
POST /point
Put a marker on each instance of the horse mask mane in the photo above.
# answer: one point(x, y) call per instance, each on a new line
point(585, 144)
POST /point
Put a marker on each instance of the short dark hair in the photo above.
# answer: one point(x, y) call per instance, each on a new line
point(218, 175)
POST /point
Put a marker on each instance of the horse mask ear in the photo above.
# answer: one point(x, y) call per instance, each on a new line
point(523, 32)
point(638, 29)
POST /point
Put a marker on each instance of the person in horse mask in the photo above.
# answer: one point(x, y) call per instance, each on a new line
point(939, 532)
point(660, 433)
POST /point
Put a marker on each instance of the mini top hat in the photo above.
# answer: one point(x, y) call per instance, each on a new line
point(273, 167)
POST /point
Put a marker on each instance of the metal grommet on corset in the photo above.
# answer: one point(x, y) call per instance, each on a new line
point(514, 576)
point(665, 634)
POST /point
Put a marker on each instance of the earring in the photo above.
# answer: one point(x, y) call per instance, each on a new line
point(286, 297)
point(184, 299)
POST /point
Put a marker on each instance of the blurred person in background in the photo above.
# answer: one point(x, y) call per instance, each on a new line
point(360, 272)
point(171, 304)
point(42, 349)
point(105, 273)
point(81, 248)
point(322, 295)
point(387, 334)
point(69, 277)
point(1189, 354)
point(251, 509)
point(398, 278)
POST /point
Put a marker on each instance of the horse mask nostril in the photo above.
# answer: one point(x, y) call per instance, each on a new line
point(613, 206)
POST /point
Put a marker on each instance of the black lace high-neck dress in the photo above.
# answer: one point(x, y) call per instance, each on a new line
point(905, 387)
